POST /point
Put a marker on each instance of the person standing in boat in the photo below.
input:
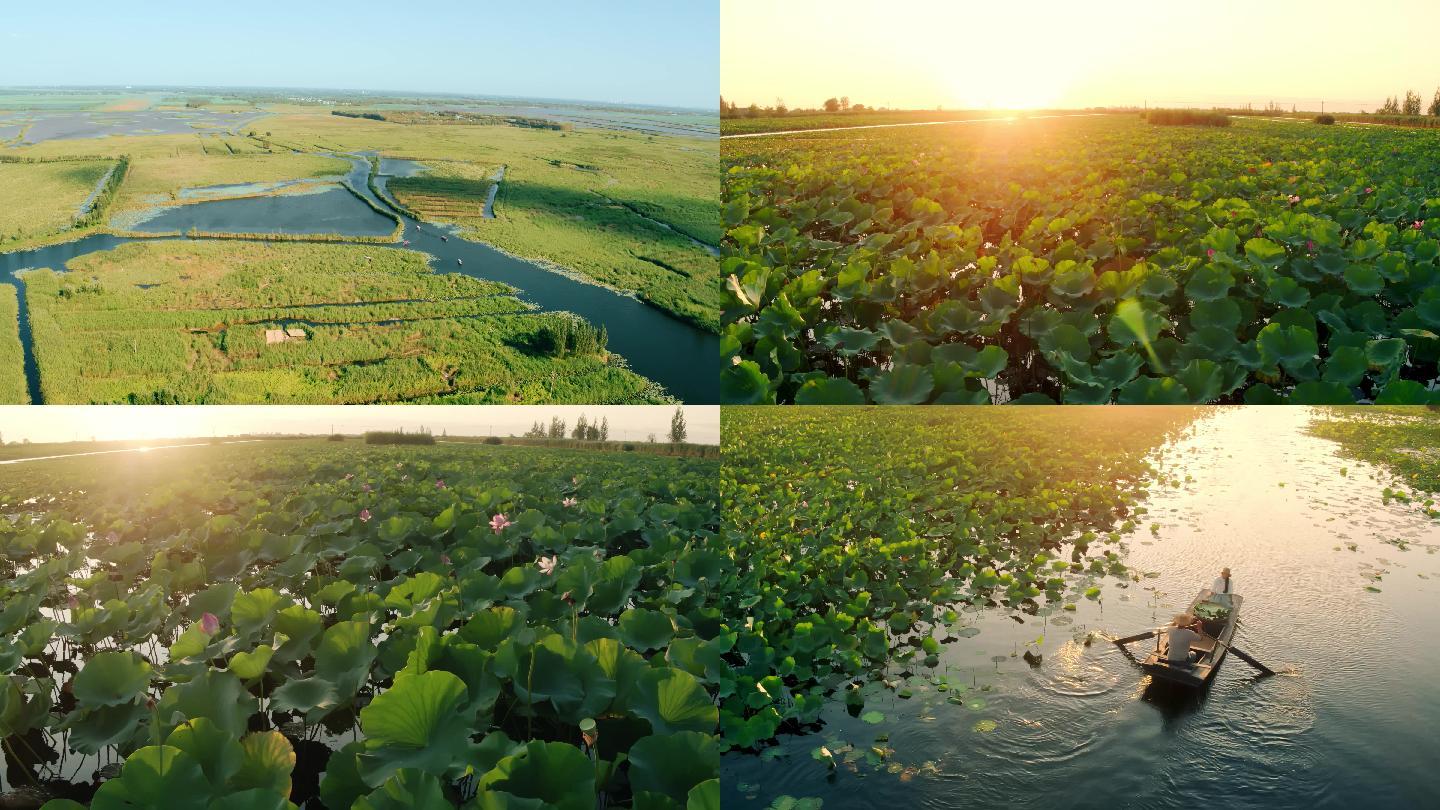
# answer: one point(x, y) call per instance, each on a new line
point(1222, 588)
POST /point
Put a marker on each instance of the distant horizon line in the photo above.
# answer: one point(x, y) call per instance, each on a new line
point(352, 90)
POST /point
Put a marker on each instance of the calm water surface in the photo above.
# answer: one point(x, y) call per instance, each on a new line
point(1350, 721)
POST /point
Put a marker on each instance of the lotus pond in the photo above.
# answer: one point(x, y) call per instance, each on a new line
point(277, 624)
point(933, 590)
point(1083, 260)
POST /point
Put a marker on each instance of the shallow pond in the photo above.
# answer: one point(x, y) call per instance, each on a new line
point(681, 357)
point(333, 210)
point(1349, 721)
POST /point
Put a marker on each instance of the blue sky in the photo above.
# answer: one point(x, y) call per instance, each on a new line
point(663, 52)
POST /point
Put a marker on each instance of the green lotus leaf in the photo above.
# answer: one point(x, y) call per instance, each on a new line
point(557, 774)
point(94, 729)
point(215, 694)
point(1153, 391)
point(673, 764)
point(1264, 253)
point(266, 763)
point(1262, 394)
point(956, 316)
point(407, 789)
point(1316, 392)
point(1363, 280)
point(253, 611)
point(490, 627)
point(111, 678)
point(418, 723)
point(1223, 314)
point(217, 751)
point(343, 784)
point(1072, 280)
point(1204, 380)
point(744, 383)
point(252, 799)
point(304, 695)
point(344, 656)
point(1210, 282)
point(646, 629)
point(849, 341)
point(1405, 392)
point(903, 385)
point(621, 665)
point(1288, 346)
point(1287, 292)
point(704, 796)
point(158, 777)
point(557, 670)
point(673, 700)
point(1383, 354)
point(1134, 323)
point(829, 391)
point(192, 643)
point(300, 626)
point(249, 665)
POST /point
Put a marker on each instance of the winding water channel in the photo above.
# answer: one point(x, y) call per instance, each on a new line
point(1349, 721)
point(680, 356)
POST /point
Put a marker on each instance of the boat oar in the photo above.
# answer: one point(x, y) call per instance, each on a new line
point(1137, 637)
point(1244, 656)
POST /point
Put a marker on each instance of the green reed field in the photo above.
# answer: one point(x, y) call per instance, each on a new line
point(167, 321)
point(1084, 260)
point(12, 369)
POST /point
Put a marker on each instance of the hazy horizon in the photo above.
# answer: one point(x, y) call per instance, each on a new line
point(550, 49)
point(66, 423)
point(1059, 55)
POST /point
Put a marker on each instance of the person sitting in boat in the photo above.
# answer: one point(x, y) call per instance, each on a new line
point(1184, 631)
point(1222, 588)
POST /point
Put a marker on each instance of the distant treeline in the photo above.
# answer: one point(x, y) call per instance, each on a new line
point(422, 436)
point(592, 431)
point(1186, 118)
point(450, 117)
point(729, 109)
point(655, 448)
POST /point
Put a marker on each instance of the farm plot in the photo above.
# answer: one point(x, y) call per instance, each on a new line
point(241, 322)
point(42, 199)
point(1084, 260)
point(450, 191)
point(310, 623)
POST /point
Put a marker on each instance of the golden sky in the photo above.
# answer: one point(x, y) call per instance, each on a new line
point(967, 54)
point(61, 423)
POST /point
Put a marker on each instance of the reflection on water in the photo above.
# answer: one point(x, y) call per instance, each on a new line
point(1350, 720)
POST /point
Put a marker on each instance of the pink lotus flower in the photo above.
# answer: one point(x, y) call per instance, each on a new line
point(1368, 189)
point(1210, 253)
point(568, 502)
point(499, 522)
point(398, 465)
point(439, 483)
point(1310, 245)
point(209, 623)
point(364, 515)
point(445, 558)
point(547, 564)
point(348, 476)
point(365, 487)
point(1294, 199)
point(1419, 223)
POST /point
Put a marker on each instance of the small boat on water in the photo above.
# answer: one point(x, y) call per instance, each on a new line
point(1220, 622)
point(460, 262)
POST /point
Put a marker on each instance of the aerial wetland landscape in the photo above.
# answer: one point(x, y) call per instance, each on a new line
point(954, 607)
point(262, 246)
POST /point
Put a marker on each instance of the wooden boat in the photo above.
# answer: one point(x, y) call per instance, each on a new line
point(1212, 648)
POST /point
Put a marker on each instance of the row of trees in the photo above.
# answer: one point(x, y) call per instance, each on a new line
point(587, 430)
point(1410, 105)
point(729, 109)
